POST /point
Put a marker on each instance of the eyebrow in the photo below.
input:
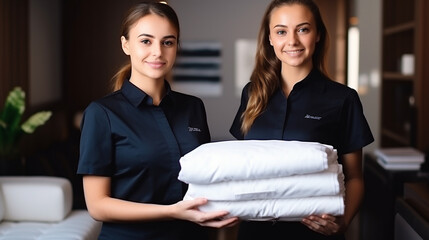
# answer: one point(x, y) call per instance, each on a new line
point(299, 25)
point(151, 36)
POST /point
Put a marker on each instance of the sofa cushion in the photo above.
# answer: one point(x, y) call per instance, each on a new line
point(78, 225)
point(33, 198)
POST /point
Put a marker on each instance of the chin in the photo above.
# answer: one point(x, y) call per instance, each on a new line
point(294, 64)
point(157, 75)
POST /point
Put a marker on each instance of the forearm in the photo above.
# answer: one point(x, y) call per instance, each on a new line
point(353, 198)
point(352, 164)
point(103, 207)
point(329, 225)
point(112, 210)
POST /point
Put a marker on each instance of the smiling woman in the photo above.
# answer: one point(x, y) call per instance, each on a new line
point(291, 97)
point(293, 35)
point(152, 52)
point(132, 140)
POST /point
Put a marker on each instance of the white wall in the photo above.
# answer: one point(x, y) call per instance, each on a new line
point(369, 14)
point(45, 51)
point(224, 21)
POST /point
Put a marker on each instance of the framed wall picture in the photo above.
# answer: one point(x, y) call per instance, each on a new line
point(197, 70)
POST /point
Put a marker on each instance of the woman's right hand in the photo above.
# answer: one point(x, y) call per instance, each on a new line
point(188, 210)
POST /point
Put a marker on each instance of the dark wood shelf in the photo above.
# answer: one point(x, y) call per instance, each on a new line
point(397, 137)
point(399, 28)
point(387, 76)
point(404, 98)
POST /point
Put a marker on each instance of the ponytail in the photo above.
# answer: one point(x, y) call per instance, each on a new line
point(120, 76)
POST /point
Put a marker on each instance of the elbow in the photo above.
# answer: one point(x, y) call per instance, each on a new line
point(95, 214)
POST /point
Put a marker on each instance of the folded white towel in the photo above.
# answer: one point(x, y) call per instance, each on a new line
point(254, 159)
point(293, 209)
point(327, 183)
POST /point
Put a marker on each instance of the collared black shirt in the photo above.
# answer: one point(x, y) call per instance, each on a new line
point(317, 110)
point(138, 145)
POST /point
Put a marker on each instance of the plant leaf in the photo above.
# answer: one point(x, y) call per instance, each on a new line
point(35, 121)
point(17, 99)
point(10, 116)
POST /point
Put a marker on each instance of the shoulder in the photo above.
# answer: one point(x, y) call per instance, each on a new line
point(338, 89)
point(108, 103)
point(101, 106)
point(110, 99)
point(180, 98)
point(246, 90)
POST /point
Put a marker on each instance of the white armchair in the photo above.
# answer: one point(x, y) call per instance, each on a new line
point(33, 207)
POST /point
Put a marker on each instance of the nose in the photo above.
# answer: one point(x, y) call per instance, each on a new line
point(156, 49)
point(292, 38)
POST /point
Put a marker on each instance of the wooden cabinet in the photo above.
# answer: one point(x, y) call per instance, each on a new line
point(382, 188)
point(405, 97)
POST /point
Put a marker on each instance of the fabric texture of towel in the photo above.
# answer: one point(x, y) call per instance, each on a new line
point(265, 179)
point(293, 209)
point(254, 159)
point(326, 183)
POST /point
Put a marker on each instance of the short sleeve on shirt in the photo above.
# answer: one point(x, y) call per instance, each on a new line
point(235, 129)
point(95, 144)
point(356, 132)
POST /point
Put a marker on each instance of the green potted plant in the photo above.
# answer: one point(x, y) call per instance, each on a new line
point(11, 128)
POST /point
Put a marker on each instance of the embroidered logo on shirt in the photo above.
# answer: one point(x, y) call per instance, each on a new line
point(193, 129)
point(312, 117)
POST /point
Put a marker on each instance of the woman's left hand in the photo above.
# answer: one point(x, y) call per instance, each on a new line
point(326, 224)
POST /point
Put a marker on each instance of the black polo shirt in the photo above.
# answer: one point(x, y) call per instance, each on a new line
point(125, 137)
point(317, 110)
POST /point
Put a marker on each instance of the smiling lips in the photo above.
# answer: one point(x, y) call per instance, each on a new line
point(156, 64)
point(294, 52)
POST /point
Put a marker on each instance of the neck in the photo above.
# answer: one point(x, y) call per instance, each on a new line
point(155, 88)
point(292, 75)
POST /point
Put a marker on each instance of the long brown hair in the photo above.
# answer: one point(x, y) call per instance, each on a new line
point(265, 78)
point(133, 15)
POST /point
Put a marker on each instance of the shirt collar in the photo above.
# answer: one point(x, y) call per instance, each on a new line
point(313, 80)
point(137, 97)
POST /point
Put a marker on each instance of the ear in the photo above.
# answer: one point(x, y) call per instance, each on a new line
point(269, 38)
point(125, 45)
point(318, 38)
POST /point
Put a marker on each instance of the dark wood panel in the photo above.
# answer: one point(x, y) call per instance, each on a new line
point(422, 97)
point(92, 50)
point(13, 46)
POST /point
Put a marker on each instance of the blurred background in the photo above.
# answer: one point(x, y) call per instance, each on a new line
point(63, 53)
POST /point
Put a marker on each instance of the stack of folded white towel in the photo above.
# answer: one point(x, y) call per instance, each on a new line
point(265, 179)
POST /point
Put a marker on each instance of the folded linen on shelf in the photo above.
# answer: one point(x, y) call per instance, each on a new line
point(326, 183)
point(254, 159)
point(293, 209)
